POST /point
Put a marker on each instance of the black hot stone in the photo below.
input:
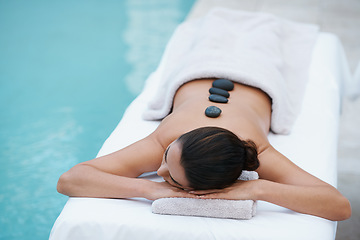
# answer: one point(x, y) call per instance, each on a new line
point(212, 111)
point(223, 84)
point(219, 91)
point(218, 98)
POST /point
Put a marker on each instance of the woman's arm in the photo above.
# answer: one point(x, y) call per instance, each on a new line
point(285, 184)
point(290, 186)
point(115, 175)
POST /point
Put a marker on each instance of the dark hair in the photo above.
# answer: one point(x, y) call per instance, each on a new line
point(214, 157)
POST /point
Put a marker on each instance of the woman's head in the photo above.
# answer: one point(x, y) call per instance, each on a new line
point(210, 158)
point(213, 157)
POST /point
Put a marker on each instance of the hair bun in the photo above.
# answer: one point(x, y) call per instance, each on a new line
point(252, 161)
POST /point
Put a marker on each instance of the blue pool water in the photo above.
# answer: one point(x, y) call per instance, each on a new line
point(68, 69)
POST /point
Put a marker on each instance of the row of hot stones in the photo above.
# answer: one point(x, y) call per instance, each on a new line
point(219, 94)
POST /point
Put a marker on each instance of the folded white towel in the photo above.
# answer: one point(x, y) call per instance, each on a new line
point(255, 49)
point(217, 208)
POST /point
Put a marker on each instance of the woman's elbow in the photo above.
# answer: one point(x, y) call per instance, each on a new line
point(345, 210)
point(63, 183)
point(340, 210)
point(67, 181)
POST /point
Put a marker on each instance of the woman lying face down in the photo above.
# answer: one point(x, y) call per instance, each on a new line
point(202, 157)
point(207, 158)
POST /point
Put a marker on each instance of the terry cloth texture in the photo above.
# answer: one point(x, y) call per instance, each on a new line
point(256, 49)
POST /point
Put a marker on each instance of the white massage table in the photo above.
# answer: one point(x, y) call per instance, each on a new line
point(312, 145)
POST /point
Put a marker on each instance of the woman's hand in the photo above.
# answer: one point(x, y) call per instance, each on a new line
point(156, 190)
point(240, 190)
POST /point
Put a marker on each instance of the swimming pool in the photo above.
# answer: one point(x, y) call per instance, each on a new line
point(68, 70)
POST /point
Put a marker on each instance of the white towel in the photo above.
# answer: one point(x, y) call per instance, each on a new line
point(255, 49)
point(216, 208)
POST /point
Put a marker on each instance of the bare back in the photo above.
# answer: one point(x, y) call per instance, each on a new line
point(247, 113)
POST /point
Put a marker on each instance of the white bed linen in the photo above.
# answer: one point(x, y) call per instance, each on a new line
point(312, 145)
